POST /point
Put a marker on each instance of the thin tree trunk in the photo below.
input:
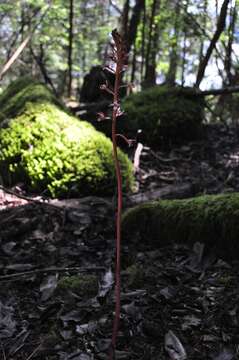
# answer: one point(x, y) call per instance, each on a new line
point(184, 58)
point(220, 28)
point(154, 51)
point(203, 32)
point(133, 65)
point(151, 53)
point(70, 47)
point(204, 26)
point(173, 61)
point(14, 57)
point(184, 49)
point(231, 31)
point(151, 23)
point(125, 20)
point(40, 62)
point(115, 6)
point(133, 24)
point(143, 44)
point(16, 36)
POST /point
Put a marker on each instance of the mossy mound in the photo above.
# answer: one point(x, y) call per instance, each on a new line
point(83, 285)
point(55, 153)
point(136, 276)
point(164, 114)
point(211, 219)
point(22, 91)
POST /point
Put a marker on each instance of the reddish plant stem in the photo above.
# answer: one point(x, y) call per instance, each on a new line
point(118, 72)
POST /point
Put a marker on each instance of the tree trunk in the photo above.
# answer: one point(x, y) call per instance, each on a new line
point(40, 62)
point(231, 31)
point(133, 64)
point(204, 27)
point(133, 24)
point(220, 28)
point(184, 59)
point(143, 44)
point(70, 47)
point(173, 61)
point(125, 20)
point(184, 49)
point(150, 61)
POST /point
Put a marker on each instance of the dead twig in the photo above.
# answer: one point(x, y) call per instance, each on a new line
point(34, 352)
point(30, 199)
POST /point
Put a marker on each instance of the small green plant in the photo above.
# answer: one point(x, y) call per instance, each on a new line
point(119, 59)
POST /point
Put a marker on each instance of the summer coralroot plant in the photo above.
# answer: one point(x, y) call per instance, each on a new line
point(119, 58)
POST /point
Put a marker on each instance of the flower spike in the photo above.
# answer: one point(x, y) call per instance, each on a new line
point(118, 64)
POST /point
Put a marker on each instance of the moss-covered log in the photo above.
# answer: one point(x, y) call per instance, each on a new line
point(211, 219)
point(50, 150)
point(163, 113)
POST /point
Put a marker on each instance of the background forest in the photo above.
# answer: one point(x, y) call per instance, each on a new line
point(189, 43)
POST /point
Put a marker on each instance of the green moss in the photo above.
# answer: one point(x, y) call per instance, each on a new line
point(164, 113)
point(84, 285)
point(212, 219)
point(135, 276)
point(14, 99)
point(15, 87)
point(50, 150)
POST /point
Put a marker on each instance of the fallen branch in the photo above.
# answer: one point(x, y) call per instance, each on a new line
point(216, 92)
point(30, 199)
point(52, 269)
point(179, 191)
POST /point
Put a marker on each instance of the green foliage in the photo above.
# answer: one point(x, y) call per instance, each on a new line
point(25, 89)
point(83, 285)
point(212, 219)
point(50, 40)
point(53, 151)
point(162, 112)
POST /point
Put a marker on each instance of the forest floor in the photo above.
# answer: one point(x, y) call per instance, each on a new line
point(56, 263)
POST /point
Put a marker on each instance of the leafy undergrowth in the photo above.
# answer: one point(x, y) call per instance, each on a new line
point(56, 296)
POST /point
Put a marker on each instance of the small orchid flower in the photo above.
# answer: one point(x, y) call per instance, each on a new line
point(101, 116)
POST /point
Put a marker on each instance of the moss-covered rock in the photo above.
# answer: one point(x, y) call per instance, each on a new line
point(26, 89)
point(164, 113)
point(211, 219)
point(83, 285)
point(52, 151)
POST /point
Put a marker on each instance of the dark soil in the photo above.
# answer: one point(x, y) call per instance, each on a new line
point(57, 263)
